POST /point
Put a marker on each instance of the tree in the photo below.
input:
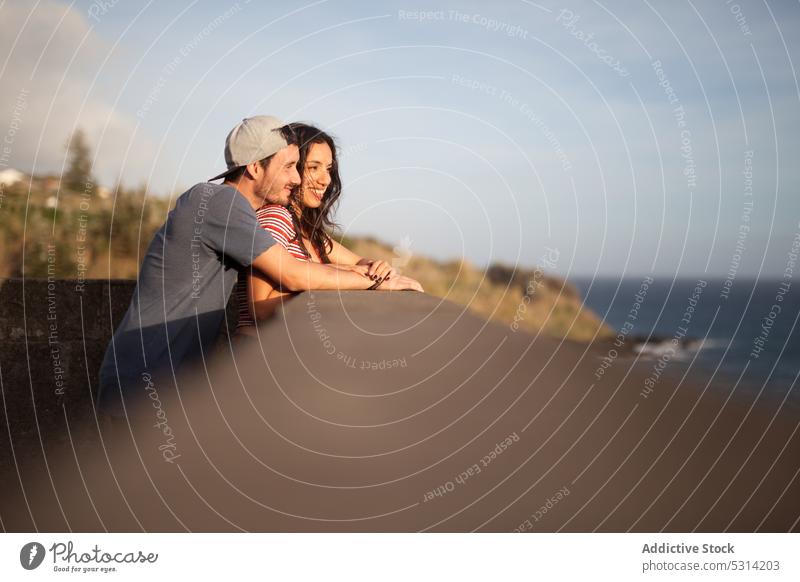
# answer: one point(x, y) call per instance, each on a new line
point(79, 172)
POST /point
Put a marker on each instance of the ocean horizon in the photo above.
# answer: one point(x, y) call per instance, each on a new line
point(741, 333)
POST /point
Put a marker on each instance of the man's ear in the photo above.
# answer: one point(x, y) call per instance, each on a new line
point(255, 170)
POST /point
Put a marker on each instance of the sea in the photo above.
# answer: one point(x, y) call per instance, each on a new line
point(743, 333)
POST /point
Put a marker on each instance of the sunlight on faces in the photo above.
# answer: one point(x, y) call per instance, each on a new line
point(280, 177)
point(316, 175)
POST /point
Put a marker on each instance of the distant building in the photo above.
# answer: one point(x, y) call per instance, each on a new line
point(10, 176)
point(51, 183)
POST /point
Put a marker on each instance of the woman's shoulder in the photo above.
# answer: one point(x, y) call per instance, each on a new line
point(277, 220)
point(275, 215)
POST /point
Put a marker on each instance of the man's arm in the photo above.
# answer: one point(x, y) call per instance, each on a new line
point(295, 275)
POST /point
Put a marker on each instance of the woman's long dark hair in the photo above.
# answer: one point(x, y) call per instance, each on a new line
point(315, 223)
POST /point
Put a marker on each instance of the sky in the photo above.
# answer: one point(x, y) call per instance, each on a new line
point(589, 138)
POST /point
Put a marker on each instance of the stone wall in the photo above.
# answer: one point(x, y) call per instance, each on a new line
point(52, 342)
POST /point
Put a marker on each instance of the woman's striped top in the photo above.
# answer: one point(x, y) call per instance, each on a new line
point(278, 221)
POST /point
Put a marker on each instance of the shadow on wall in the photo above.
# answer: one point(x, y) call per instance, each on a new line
point(368, 411)
point(52, 340)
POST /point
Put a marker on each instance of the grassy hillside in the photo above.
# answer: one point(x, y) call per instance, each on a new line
point(528, 300)
point(68, 235)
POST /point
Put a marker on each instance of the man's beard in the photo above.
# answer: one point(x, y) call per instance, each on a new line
point(278, 197)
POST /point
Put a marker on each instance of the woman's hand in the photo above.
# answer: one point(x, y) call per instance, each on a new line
point(400, 283)
point(378, 269)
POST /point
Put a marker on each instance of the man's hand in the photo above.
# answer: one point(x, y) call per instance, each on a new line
point(400, 283)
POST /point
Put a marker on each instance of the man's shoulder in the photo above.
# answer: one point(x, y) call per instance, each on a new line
point(207, 196)
point(209, 189)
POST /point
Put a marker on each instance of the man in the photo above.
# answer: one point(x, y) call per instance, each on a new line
point(193, 261)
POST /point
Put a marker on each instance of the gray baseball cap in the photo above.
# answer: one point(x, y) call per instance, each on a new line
point(253, 139)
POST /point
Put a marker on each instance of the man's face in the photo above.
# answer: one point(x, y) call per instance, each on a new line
point(280, 177)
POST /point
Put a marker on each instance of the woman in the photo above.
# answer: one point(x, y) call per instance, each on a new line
point(302, 228)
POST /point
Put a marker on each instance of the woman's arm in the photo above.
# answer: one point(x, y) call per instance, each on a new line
point(262, 296)
point(341, 255)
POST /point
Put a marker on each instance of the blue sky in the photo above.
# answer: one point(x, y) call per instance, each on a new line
point(488, 131)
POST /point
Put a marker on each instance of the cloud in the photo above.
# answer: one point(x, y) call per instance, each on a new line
point(55, 80)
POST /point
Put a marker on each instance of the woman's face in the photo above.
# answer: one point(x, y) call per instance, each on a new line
point(316, 175)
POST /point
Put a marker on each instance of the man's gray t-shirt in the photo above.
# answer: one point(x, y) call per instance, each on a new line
point(184, 284)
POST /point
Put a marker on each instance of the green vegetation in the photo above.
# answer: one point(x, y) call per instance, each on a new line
point(66, 234)
point(78, 176)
